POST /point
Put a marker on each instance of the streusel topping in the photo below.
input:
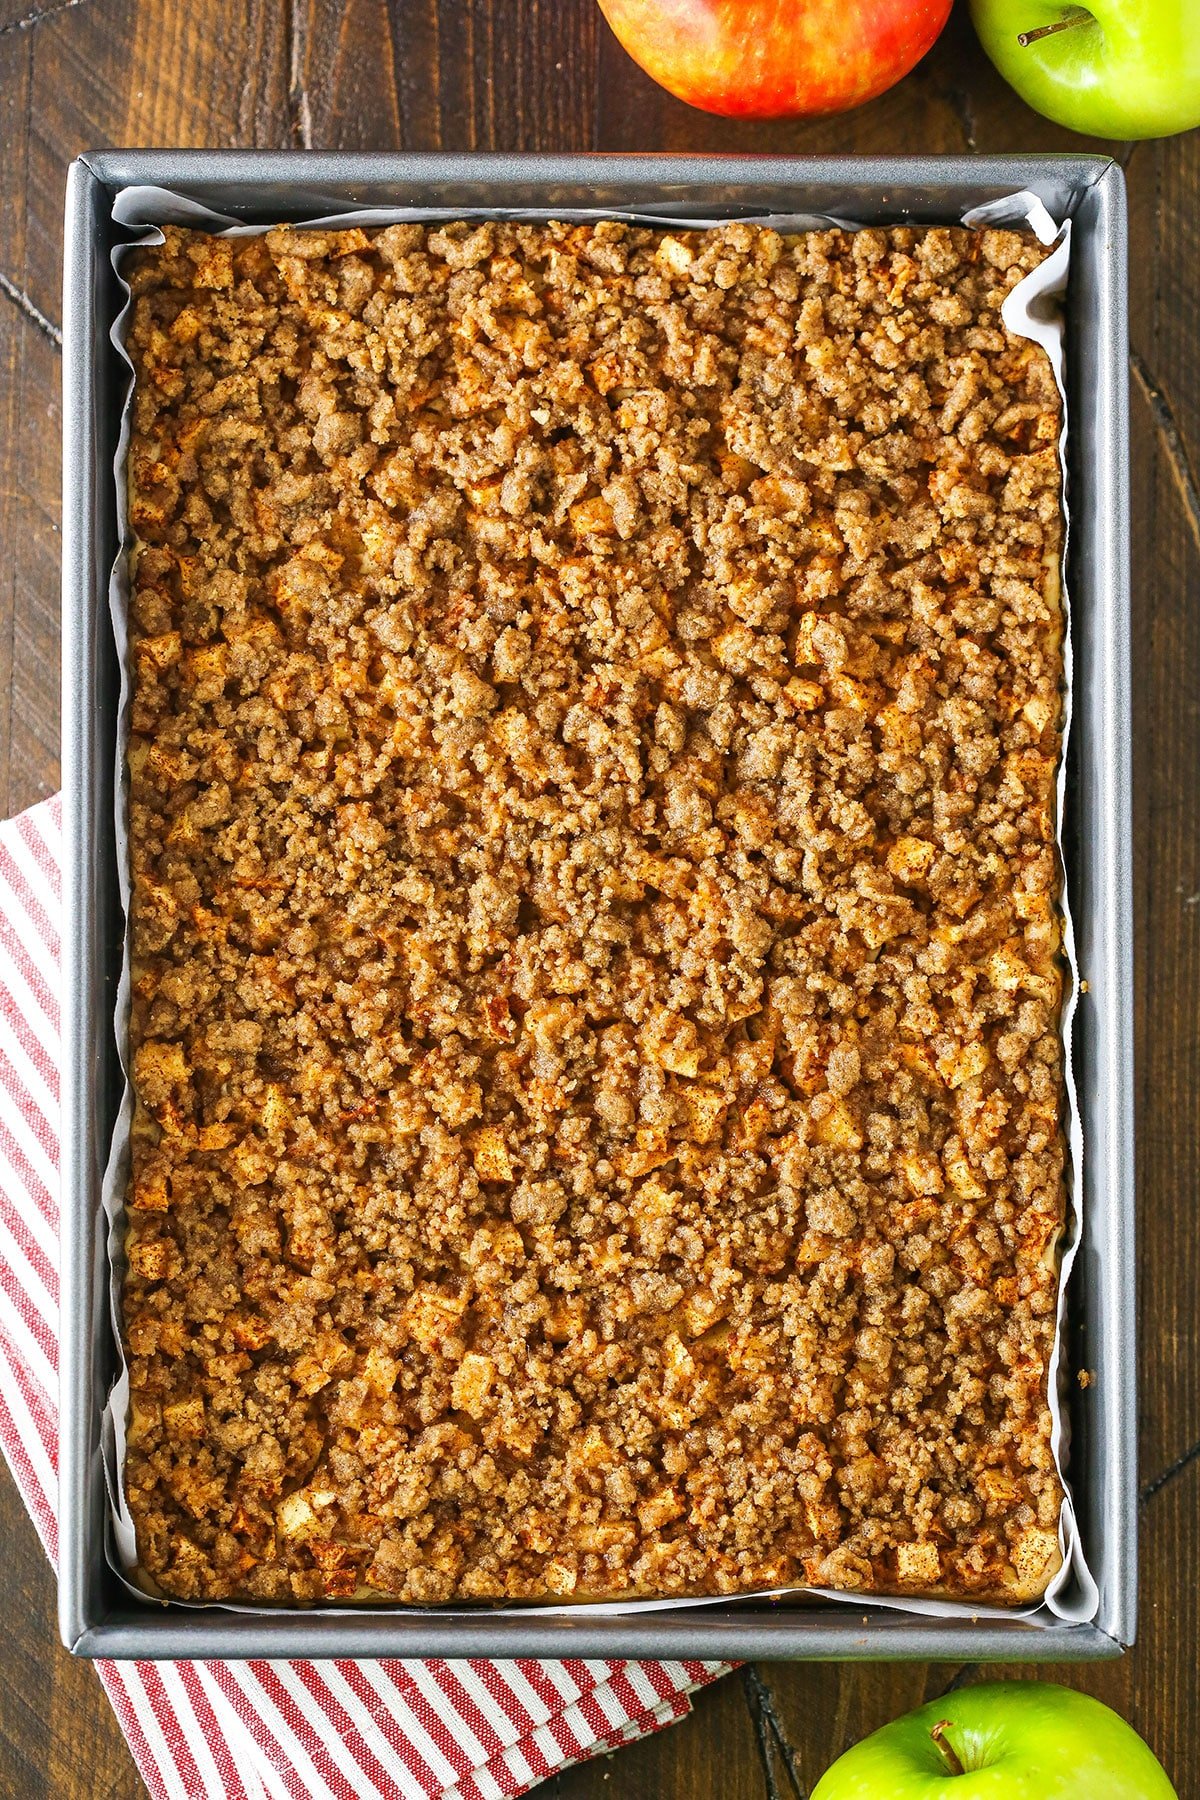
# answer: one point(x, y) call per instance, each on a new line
point(595, 949)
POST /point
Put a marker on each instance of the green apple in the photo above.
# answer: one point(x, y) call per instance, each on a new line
point(1003, 1740)
point(1112, 68)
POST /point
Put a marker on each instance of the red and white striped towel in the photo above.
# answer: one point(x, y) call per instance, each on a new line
point(383, 1730)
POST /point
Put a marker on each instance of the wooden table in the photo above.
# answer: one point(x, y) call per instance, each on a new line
point(547, 75)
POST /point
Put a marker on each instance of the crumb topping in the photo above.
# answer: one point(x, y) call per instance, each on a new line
point(595, 712)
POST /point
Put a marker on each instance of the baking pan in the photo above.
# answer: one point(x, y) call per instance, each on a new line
point(97, 1616)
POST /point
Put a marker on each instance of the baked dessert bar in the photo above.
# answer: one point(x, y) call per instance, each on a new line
point(595, 1024)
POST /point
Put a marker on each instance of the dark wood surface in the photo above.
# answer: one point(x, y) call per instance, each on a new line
point(547, 75)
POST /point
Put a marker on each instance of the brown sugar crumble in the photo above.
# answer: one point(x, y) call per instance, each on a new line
point(595, 1029)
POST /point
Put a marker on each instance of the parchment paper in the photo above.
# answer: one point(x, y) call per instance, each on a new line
point(1032, 310)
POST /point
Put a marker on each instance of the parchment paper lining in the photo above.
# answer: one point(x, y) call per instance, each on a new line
point(1032, 310)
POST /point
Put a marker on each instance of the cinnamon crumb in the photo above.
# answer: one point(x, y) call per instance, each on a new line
point(595, 944)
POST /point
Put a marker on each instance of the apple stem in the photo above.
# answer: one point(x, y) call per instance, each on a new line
point(948, 1753)
point(1045, 31)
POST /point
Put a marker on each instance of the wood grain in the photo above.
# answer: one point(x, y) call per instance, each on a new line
point(545, 75)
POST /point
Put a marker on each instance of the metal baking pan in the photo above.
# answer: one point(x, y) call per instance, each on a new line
point(97, 1617)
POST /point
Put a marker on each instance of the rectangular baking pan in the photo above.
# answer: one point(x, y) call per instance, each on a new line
point(97, 1617)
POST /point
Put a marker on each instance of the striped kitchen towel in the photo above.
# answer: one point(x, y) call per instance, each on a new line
point(382, 1730)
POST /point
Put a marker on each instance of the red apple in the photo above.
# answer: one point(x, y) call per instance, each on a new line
point(771, 59)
